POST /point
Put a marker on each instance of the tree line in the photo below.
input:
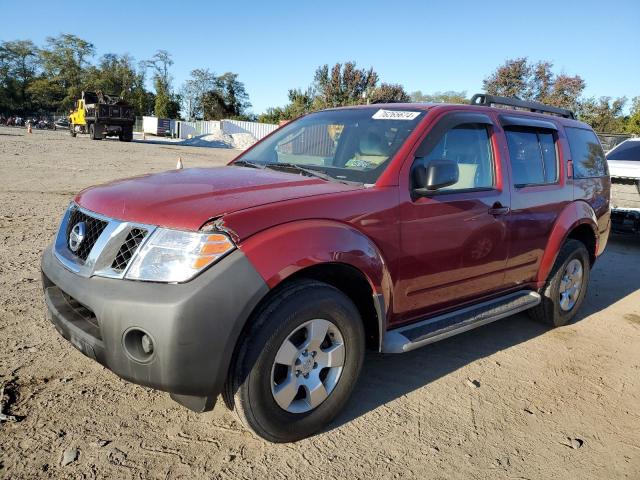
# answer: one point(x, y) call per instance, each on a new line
point(345, 84)
point(49, 78)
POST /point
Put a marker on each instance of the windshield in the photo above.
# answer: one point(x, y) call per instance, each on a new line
point(350, 144)
point(628, 150)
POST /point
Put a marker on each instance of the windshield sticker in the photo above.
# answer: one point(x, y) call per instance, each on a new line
point(394, 115)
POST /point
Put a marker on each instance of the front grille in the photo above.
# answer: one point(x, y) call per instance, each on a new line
point(128, 248)
point(94, 227)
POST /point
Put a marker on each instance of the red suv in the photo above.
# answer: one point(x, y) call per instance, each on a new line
point(382, 226)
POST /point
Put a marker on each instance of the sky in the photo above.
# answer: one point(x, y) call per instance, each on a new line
point(424, 45)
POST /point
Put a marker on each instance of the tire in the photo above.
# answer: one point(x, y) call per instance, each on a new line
point(126, 135)
point(557, 309)
point(259, 387)
point(72, 130)
point(92, 132)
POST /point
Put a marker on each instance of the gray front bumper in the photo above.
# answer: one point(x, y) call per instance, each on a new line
point(194, 326)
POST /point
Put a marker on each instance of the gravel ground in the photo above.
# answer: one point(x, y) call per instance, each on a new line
point(509, 400)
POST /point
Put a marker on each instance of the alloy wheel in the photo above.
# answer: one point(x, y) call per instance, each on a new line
point(307, 366)
point(571, 284)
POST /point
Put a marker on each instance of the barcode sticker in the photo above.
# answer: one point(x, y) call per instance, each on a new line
point(395, 115)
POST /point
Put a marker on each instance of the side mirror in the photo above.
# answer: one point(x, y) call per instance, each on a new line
point(433, 176)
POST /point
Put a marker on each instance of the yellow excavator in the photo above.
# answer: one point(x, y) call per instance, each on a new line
point(101, 116)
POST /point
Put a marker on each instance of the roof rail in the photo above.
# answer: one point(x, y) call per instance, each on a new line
point(516, 103)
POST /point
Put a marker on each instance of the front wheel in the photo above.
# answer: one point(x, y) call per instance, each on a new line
point(298, 362)
point(566, 286)
point(95, 132)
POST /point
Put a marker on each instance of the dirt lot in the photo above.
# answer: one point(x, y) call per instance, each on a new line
point(509, 400)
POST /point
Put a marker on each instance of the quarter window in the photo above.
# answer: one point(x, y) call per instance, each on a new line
point(469, 146)
point(533, 156)
point(586, 153)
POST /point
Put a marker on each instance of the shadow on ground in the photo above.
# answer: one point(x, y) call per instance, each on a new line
point(380, 381)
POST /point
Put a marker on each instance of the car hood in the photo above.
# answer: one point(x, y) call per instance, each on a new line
point(624, 168)
point(186, 199)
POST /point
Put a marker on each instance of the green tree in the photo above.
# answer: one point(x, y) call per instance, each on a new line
point(605, 115)
point(340, 85)
point(633, 122)
point(388, 93)
point(194, 90)
point(537, 82)
point(343, 84)
point(64, 60)
point(229, 99)
point(300, 102)
point(512, 79)
point(449, 96)
point(167, 104)
point(160, 63)
point(19, 65)
point(118, 75)
point(47, 96)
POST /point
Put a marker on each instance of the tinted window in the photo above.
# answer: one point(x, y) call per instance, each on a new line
point(470, 147)
point(586, 153)
point(626, 151)
point(533, 156)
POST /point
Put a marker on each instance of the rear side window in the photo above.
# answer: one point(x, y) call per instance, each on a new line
point(533, 155)
point(629, 150)
point(586, 153)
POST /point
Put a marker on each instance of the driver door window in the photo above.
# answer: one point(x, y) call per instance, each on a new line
point(468, 145)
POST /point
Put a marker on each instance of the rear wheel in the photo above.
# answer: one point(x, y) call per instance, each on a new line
point(566, 286)
point(298, 363)
point(126, 134)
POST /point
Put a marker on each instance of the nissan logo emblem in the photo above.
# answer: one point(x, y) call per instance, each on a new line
point(77, 235)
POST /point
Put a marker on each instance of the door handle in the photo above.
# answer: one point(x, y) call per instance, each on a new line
point(498, 209)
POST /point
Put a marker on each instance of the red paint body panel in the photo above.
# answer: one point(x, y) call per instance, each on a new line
point(311, 242)
point(574, 214)
point(186, 199)
point(424, 255)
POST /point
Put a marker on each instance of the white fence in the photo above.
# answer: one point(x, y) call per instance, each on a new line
point(229, 127)
point(258, 130)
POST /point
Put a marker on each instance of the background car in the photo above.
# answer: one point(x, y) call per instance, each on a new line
point(624, 168)
point(624, 159)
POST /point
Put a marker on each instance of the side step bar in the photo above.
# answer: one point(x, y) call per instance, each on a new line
point(410, 337)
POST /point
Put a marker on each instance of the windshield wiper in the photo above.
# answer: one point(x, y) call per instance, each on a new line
point(247, 163)
point(305, 171)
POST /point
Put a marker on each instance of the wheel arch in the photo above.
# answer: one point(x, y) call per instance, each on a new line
point(329, 251)
point(578, 221)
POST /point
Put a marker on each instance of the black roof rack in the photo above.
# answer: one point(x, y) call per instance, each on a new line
point(516, 103)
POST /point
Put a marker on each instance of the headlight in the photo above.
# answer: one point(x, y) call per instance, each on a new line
point(175, 256)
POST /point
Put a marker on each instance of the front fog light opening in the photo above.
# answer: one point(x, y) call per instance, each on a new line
point(138, 345)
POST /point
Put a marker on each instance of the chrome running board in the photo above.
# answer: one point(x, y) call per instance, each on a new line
point(410, 337)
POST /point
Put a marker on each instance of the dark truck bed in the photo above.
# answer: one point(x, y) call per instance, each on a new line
point(117, 113)
point(108, 115)
point(625, 205)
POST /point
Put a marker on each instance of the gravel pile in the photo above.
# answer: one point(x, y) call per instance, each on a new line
point(219, 139)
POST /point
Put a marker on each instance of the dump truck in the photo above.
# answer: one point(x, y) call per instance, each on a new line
point(101, 115)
